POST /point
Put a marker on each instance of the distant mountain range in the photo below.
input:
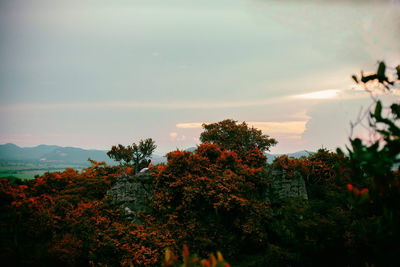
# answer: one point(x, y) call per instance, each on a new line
point(58, 155)
point(73, 155)
point(52, 154)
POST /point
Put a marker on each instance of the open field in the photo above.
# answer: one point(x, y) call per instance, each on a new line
point(29, 171)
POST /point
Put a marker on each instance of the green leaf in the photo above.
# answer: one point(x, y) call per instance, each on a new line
point(378, 110)
point(398, 71)
point(381, 69)
point(395, 110)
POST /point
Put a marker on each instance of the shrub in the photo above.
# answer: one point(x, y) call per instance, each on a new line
point(211, 200)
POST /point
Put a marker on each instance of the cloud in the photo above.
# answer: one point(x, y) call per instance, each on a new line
point(292, 128)
point(14, 135)
point(176, 137)
point(363, 2)
point(190, 125)
point(329, 125)
point(170, 105)
point(178, 105)
point(173, 135)
point(325, 94)
point(56, 135)
point(141, 105)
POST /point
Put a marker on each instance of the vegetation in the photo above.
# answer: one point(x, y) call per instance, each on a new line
point(232, 136)
point(215, 199)
point(211, 200)
point(136, 153)
point(27, 171)
point(376, 165)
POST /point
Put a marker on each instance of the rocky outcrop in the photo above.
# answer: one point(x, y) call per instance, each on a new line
point(283, 187)
point(132, 193)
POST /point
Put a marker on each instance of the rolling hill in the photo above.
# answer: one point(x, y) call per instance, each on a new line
point(51, 154)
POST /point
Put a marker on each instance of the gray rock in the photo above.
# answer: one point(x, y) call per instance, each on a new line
point(283, 187)
point(132, 193)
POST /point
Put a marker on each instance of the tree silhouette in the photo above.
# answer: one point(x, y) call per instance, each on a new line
point(136, 153)
point(233, 136)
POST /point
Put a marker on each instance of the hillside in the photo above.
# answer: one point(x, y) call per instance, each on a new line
point(26, 162)
point(51, 154)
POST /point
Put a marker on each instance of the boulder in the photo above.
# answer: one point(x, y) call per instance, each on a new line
point(283, 187)
point(132, 193)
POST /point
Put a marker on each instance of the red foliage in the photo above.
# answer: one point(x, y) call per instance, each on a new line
point(255, 158)
point(238, 137)
point(210, 199)
point(320, 168)
point(64, 218)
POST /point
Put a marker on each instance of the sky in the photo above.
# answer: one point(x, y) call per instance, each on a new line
point(93, 74)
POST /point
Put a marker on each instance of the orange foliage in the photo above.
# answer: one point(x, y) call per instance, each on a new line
point(211, 199)
point(171, 260)
point(64, 218)
point(319, 168)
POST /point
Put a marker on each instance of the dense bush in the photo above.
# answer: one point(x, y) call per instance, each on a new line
point(306, 233)
point(65, 219)
point(211, 200)
point(238, 137)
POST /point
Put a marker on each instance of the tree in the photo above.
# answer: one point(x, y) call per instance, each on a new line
point(121, 153)
point(142, 151)
point(233, 136)
point(136, 153)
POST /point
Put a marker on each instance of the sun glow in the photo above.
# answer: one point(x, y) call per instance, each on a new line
point(286, 127)
point(190, 125)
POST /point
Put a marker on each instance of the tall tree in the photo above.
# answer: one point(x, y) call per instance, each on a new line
point(238, 137)
point(133, 155)
point(142, 152)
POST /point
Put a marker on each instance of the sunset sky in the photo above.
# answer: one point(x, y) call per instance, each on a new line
point(93, 74)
